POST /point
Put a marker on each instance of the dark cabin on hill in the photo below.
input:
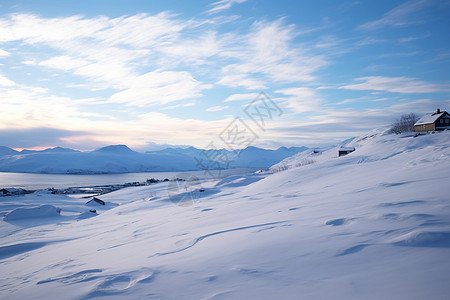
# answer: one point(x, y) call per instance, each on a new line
point(439, 120)
point(345, 150)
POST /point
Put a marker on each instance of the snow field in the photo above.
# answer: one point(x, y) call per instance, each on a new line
point(374, 224)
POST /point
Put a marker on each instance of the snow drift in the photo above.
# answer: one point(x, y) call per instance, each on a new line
point(44, 211)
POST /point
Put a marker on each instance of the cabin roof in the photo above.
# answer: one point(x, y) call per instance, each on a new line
point(430, 118)
point(347, 149)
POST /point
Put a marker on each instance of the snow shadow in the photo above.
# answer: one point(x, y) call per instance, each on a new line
point(239, 180)
point(353, 249)
point(16, 249)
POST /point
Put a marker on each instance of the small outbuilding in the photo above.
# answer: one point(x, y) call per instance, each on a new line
point(345, 150)
point(96, 200)
point(439, 120)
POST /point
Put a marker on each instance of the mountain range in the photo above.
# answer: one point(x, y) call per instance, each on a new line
point(121, 159)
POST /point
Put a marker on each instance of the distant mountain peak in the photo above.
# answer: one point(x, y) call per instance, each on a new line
point(7, 151)
point(59, 149)
point(115, 149)
point(253, 148)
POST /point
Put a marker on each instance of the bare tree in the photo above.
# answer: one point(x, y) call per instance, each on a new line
point(405, 123)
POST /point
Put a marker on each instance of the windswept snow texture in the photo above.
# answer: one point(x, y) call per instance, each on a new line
point(121, 159)
point(374, 224)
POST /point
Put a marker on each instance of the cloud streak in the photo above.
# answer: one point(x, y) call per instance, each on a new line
point(221, 5)
point(160, 87)
point(398, 16)
point(396, 85)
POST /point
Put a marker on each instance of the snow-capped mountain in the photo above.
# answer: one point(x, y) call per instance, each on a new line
point(121, 159)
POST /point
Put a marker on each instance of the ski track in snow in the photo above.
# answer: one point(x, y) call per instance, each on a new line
point(197, 240)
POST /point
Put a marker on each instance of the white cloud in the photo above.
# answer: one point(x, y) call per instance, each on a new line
point(301, 99)
point(242, 80)
point(4, 53)
point(30, 108)
point(189, 51)
point(414, 38)
point(33, 107)
point(396, 85)
point(5, 81)
point(160, 87)
point(140, 31)
point(269, 51)
point(216, 108)
point(239, 97)
point(103, 50)
point(187, 104)
point(65, 63)
point(398, 16)
point(113, 53)
point(223, 5)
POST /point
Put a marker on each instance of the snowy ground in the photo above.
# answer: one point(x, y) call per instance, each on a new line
point(374, 224)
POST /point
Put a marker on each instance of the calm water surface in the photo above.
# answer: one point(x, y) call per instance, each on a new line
point(41, 181)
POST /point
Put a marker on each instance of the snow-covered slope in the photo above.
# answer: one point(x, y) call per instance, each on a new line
point(121, 159)
point(374, 224)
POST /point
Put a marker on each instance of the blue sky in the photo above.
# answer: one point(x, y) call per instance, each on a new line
point(85, 74)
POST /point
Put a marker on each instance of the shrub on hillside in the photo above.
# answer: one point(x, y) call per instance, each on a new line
point(405, 123)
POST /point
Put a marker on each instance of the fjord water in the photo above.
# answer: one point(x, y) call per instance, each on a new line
point(32, 181)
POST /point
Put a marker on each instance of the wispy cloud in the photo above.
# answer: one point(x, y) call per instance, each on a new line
point(240, 97)
point(142, 62)
point(160, 87)
point(5, 81)
point(414, 38)
point(268, 53)
point(102, 50)
point(186, 104)
point(217, 108)
point(4, 53)
point(110, 53)
point(398, 16)
point(397, 85)
point(223, 5)
point(25, 109)
point(301, 99)
point(241, 80)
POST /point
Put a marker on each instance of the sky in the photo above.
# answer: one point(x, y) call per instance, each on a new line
point(216, 74)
